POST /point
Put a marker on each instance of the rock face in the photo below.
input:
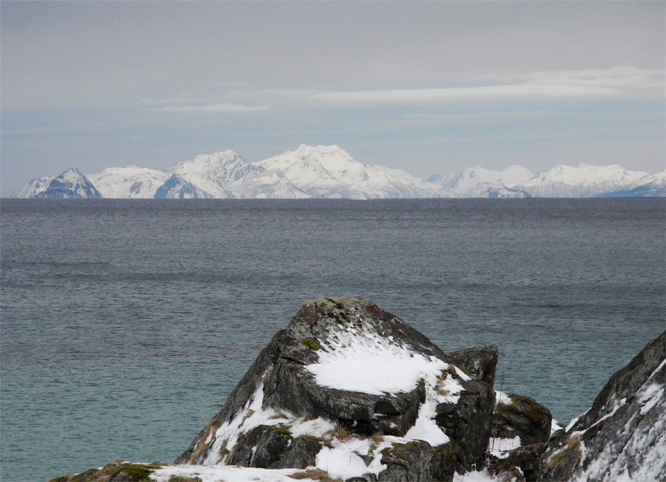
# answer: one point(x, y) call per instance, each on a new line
point(347, 380)
point(623, 435)
point(522, 426)
point(479, 362)
point(523, 417)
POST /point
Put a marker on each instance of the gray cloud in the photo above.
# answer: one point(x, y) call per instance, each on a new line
point(220, 108)
point(67, 53)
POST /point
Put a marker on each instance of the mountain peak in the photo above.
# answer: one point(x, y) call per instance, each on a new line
point(469, 179)
point(583, 181)
point(69, 184)
point(217, 169)
point(333, 158)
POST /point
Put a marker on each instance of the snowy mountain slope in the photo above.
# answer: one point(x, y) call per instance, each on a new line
point(492, 191)
point(178, 188)
point(227, 175)
point(308, 174)
point(267, 185)
point(470, 180)
point(128, 182)
point(211, 173)
point(582, 181)
point(34, 187)
point(330, 172)
point(70, 184)
point(652, 185)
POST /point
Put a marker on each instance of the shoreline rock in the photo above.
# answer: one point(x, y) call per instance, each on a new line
point(349, 391)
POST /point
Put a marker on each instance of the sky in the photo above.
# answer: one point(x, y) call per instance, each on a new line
point(428, 87)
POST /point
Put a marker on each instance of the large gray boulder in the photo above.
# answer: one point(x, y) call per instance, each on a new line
point(347, 380)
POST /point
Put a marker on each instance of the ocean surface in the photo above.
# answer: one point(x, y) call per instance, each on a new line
point(126, 323)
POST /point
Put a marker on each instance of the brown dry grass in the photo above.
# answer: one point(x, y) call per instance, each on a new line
point(314, 474)
point(339, 433)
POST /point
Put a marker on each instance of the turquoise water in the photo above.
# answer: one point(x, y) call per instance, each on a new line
point(126, 323)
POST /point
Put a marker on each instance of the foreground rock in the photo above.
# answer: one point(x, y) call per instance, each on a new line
point(349, 381)
point(349, 392)
point(623, 435)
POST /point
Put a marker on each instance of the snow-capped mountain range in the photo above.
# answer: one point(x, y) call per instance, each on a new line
point(330, 172)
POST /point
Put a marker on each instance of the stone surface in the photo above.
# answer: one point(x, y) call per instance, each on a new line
point(623, 435)
point(522, 416)
point(479, 362)
point(469, 422)
point(408, 462)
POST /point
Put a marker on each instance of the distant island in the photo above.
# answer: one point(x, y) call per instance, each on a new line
point(329, 172)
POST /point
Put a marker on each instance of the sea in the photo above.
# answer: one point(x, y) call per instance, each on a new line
point(126, 323)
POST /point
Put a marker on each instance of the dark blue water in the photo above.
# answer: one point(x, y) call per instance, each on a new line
point(125, 323)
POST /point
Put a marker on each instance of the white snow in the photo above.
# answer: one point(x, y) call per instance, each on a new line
point(314, 428)
point(468, 181)
point(649, 398)
point(368, 363)
point(365, 362)
point(572, 423)
point(128, 182)
point(582, 181)
point(342, 460)
point(656, 180)
point(245, 420)
point(500, 446)
point(71, 183)
point(480, 476)
point(424, 428)
point(502, 398)
point(555, 426)
point(331, 172)
point(216, 473)
point(34, 187)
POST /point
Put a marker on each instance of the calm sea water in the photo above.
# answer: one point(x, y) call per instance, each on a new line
point(125, 324)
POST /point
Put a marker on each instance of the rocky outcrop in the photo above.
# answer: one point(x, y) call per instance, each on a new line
point(520, 429)
point(521, 416)
point(623, 435)
point(349, 392)
point(118, 471)
point(357, 373)
point(479, 362)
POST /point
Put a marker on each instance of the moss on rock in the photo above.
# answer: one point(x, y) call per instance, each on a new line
point(310, 343)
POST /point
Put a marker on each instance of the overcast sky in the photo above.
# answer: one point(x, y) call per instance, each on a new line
point(429, 87)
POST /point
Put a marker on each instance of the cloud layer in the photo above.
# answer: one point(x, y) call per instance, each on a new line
point(425, 86)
